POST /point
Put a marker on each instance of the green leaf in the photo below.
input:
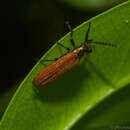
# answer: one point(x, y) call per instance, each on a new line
point(94, 95)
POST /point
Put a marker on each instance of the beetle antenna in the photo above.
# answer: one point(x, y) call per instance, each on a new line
point(104, 43)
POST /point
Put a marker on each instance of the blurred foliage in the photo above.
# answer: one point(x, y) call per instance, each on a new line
point(91, 5)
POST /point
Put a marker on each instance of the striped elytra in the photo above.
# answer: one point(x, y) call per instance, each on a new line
point(57, 68)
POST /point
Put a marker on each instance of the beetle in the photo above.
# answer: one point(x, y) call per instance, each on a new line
point(67, 61)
